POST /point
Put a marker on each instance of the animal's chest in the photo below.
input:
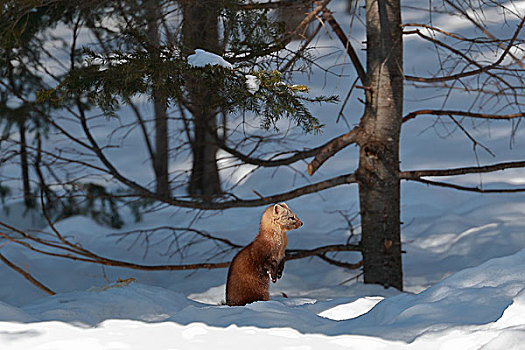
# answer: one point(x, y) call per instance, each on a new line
point(279, 245)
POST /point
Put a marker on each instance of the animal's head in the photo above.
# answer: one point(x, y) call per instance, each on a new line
point(284, 217)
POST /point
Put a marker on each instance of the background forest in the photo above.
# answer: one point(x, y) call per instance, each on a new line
point(142, 140)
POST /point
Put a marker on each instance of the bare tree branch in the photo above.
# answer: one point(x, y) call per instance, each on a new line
point(331, 148)
point(274, 4)
point(82, 254)
point(327, 15)
point(438, 112)
point(469, 189)
point(485, 31)
point(293, 254)
point(341, 263)
point(481, 69)
point(27, 276)
point(418, 174)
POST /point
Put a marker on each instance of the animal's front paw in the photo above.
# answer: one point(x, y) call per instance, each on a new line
point(273, 277)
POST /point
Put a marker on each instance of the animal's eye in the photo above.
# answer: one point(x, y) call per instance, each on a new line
point(291, 218)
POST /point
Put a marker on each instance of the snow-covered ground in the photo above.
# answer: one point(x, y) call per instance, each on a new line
point(464, 267)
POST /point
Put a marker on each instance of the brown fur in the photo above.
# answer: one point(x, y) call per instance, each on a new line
point(255, 264)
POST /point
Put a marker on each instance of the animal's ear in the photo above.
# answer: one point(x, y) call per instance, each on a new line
point(283, 204)
point(277, 209)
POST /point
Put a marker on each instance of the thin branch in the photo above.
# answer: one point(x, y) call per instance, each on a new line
point(27, 275)
point(87, 256)
point(184, 229)
point(416, 175)
point(301, 49)
point(341, 263)
point(457, 76)
point(469, 189)
point(143, 128)
point(327, 15)
point(414, 114)
point(310, 17)
point(471, 138)
point(293, 254)
point(274, 4)
point(452, 35)
point(485, 31)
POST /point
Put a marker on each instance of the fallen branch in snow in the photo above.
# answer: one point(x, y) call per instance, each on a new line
point(26, 275)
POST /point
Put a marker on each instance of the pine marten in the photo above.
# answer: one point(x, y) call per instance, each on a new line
point(255, 264)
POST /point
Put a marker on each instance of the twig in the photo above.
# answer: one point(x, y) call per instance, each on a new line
point(341, 263)
point(27, 276)
point(352, 278)
point(327, 15)
point(469, 189)
point(471, 138)
point(293, 254)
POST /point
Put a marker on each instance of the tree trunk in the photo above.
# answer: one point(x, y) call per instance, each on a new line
point(160, 157)
point(26, 186)
point(200, 31)
point(378, 172)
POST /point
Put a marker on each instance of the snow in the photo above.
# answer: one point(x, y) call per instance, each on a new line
point(252, 82)
point(202, 58)
point(478, 308)
point(464, 267)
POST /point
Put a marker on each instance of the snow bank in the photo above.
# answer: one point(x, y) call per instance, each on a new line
point(473, 296)
point(14, 314)
point(478, 308)
point(134, 301)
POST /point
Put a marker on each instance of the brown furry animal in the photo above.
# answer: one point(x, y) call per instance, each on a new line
point(255, 264)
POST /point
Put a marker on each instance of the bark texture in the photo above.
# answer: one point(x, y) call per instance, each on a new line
point(200, 31)
point(378, 172)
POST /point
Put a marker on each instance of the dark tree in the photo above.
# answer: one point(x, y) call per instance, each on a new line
point(378, 140)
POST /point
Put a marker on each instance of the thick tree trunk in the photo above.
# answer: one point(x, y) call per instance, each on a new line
point(160, 157)
point(378, 172)
point(200, 31)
